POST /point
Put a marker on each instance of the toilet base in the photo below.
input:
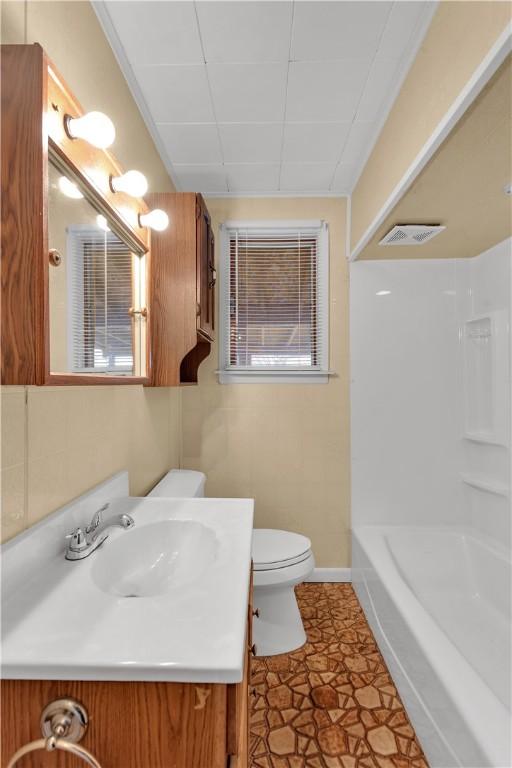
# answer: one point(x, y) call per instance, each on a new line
point(279, 628)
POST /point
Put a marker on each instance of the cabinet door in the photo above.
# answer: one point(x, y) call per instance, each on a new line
point(205, 271)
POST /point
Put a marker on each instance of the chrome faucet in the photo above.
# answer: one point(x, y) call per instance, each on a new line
point(83, 543)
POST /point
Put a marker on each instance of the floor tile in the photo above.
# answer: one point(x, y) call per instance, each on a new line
point(331, 703)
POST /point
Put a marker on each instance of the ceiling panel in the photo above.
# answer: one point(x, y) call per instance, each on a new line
point(325, 90)
point(253, 178)
point(337, 30)
point(361, 134)
point(381, 81)
point(251, 143)
point(296, 177)
point(198, 178)
point(251, 95)
point(245, 93)
point(196, 143)
point(246, 31)
point(176, 94)
point(157, 32)
point(344, 178)
point(314, 142)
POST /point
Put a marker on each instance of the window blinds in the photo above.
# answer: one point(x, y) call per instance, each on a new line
point(100, 295)
point(276, 300)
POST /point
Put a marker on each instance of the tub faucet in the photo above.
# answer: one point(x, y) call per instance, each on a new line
point(83, 543)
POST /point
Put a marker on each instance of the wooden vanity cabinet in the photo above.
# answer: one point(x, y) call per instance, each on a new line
point(137, 724)
point(182, 289)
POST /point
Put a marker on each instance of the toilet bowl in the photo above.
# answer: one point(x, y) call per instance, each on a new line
point(281, 560)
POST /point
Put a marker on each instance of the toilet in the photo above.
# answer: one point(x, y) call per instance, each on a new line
point(281, 560)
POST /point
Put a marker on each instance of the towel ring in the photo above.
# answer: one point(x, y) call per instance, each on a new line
point(63, 724)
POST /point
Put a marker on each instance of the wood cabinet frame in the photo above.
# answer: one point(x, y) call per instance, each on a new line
point(34, 101)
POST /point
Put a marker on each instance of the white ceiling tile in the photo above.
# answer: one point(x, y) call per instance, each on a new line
point(360, 136)
point(247, 31)
point(251, 143)
point(325, 91)
point(344, 177)
point(314, 142)
point(401, 24)
point(381, 80)
point(257, 177)
point(337, 30)
point(157, 32)
point(201, 178)
point(306, 177)
point(246, 93)
point(191, 143)
point(176, 94)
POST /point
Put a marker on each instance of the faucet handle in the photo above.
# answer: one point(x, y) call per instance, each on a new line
point(78, 540)
point(96, 520)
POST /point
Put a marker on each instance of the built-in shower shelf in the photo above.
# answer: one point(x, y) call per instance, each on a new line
point(484, 437)
point(484, 484)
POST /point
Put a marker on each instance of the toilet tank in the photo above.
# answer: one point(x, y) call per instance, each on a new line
point(183, 483)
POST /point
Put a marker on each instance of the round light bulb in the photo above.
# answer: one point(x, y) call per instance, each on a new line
point(94, 127)
point(102, 223)
point(156, 219)
point(69, 188)
point(134, 183)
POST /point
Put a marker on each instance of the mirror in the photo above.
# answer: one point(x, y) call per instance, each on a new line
point(96, 287)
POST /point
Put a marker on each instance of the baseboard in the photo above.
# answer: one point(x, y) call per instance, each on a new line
point(331, 574)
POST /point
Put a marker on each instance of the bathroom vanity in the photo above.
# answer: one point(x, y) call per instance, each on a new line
point(151, 632)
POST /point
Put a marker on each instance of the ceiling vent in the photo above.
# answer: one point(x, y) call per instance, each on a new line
point(411, 234)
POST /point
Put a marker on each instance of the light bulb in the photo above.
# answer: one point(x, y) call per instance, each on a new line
point(134, 183)
point(102, 222)
point(156, 219)
point(69, 188)
point(94, 127)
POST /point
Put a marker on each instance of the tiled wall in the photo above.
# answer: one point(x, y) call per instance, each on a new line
point(285, 445)
point(57, 442)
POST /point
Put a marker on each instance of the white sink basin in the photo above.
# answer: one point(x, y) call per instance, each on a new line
point(186, 560)
point(155, 559)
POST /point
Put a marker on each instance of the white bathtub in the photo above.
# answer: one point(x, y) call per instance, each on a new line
point(438, 601)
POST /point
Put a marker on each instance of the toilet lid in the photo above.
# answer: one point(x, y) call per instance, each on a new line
point(275, 549)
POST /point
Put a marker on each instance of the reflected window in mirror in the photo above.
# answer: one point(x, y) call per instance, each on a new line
point(97, 288)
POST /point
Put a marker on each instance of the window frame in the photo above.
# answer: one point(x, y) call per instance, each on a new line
point(232, 375)
point(78, 231)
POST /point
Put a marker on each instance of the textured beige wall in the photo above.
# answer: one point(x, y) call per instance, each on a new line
point(286, 445)
point(460, 35)
point(59, 441)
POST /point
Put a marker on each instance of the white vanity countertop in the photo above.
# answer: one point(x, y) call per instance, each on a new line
point(59, 622)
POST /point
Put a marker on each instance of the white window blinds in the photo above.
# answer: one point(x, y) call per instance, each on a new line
point(100, 293)
point(277, 298)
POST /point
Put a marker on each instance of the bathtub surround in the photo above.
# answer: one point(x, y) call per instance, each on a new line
point(59, 441)
point(285, 445)
point(431, 503)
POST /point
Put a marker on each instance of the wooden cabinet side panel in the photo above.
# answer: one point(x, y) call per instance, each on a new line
point(172, 298)
point(132, 725)
point(24, 240)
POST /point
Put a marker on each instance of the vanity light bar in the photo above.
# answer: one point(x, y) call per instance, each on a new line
point(155, 219)
point(94, 127)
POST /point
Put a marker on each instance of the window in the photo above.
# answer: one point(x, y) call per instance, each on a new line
point(101, 293)
point(274, 299)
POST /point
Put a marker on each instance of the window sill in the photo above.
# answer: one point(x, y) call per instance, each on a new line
point(274, 377)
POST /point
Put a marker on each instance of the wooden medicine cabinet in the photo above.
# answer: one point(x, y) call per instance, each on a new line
point(75, 260)
point(88, 295)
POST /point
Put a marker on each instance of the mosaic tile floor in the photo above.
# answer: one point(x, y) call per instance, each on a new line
point(332, 703)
